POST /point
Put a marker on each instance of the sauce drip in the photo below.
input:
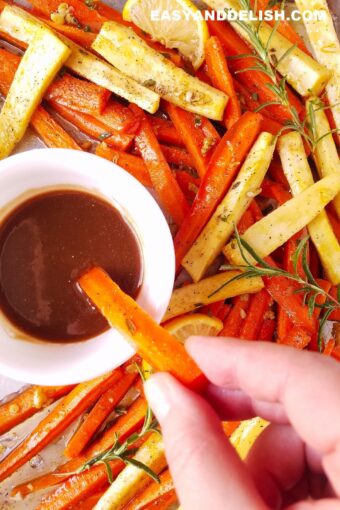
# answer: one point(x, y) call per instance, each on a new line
point(45, 244)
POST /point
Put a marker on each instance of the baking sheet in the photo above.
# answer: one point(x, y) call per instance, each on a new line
point(51, 456)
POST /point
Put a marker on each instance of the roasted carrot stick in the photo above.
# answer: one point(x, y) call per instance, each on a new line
point(335, 222)
point(152, 492)
point(94, 127)
point(276, 173)
point(271, 189)
point(132, 164)
point(72, 406)
point(84, 16)
point(271, 126)
point(101, 410)
point(160, 349)
point(164, 502)
point(283, 291)
point(162, 178)
point(90, 502)
point(177, 156)
point(223, 167)
point(188, 184)
point(329, 347)
point(260, 304)
point(255, 81)
point(221, 79)
point(297, 337)
point(80, 95)
point(235, 319)
point(267, 330)
point(77, 35)
point(165, 131)
point(198, 135)
point(79, 487)
point(174, 155)
point(245, 222)
point(27, 403)
point(125, 425)
point(119, 117)
point(335, 315)
point(47, 128)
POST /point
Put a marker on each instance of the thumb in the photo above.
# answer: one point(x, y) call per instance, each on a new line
point(207, 471)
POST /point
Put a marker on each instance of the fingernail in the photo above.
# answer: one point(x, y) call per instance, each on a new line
point(158, 397)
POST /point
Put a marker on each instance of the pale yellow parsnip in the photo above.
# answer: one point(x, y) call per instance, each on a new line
point(302, 72)
point(23, 26)
point(41, 62)
point(276, 228)
point(227, 215)
point(193, 296)
point(299, 175)
point(122, 47)
point(133, 479)
point(325, 153)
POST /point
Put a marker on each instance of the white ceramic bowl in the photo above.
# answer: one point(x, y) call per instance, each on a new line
point(35, 171)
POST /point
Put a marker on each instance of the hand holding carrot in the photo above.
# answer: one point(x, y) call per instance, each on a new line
point(296, 458)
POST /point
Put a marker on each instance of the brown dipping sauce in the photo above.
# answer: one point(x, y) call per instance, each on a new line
point(46, 243)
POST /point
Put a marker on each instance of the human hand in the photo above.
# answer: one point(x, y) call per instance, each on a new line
point(296, 458)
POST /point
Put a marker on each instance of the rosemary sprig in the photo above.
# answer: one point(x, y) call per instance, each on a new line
point(268, 64)
point(308, 286)
point(125, 451)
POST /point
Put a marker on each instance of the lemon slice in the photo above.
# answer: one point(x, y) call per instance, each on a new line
point(175, 23)
point(194, 324)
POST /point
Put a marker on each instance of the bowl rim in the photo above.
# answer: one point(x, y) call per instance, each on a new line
point(51, 168)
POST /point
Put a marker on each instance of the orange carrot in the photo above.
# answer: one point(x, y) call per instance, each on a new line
point(255, 81)
point(336, 353)
point(90, 502)
point(271, 189)
point(79, 487)
point(72, 406)
point(229, 427)
point(85, 17)
point(267, 330)
point(271, 126)
point(152, 342)
point(260, 304)
point(283, 291)
point(174, 155)
point(125, 425)
point(152, 492)
point(77, 35)
point(335, 315)
point(221, 79)
point(119, 117)
point(297, 337)
point(198, 135)
point(162, 178)
point(165, 131)
point(47, 128)
point(94, 128)
point(164, 502)
point(98, 414)
point(27, 403)
point(177, 156)
point(132, 164)
point(276, 173)
point(234, 321)
point(246, 221)
point(223, 167)
point(80, 95)
point(329, 347)
point(188, 184)
point(335, 222)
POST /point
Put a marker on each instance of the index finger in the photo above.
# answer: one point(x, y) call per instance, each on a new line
point(306, 384)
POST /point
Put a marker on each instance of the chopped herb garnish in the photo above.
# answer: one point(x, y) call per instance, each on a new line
point(149, 83)
point(103, 136)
